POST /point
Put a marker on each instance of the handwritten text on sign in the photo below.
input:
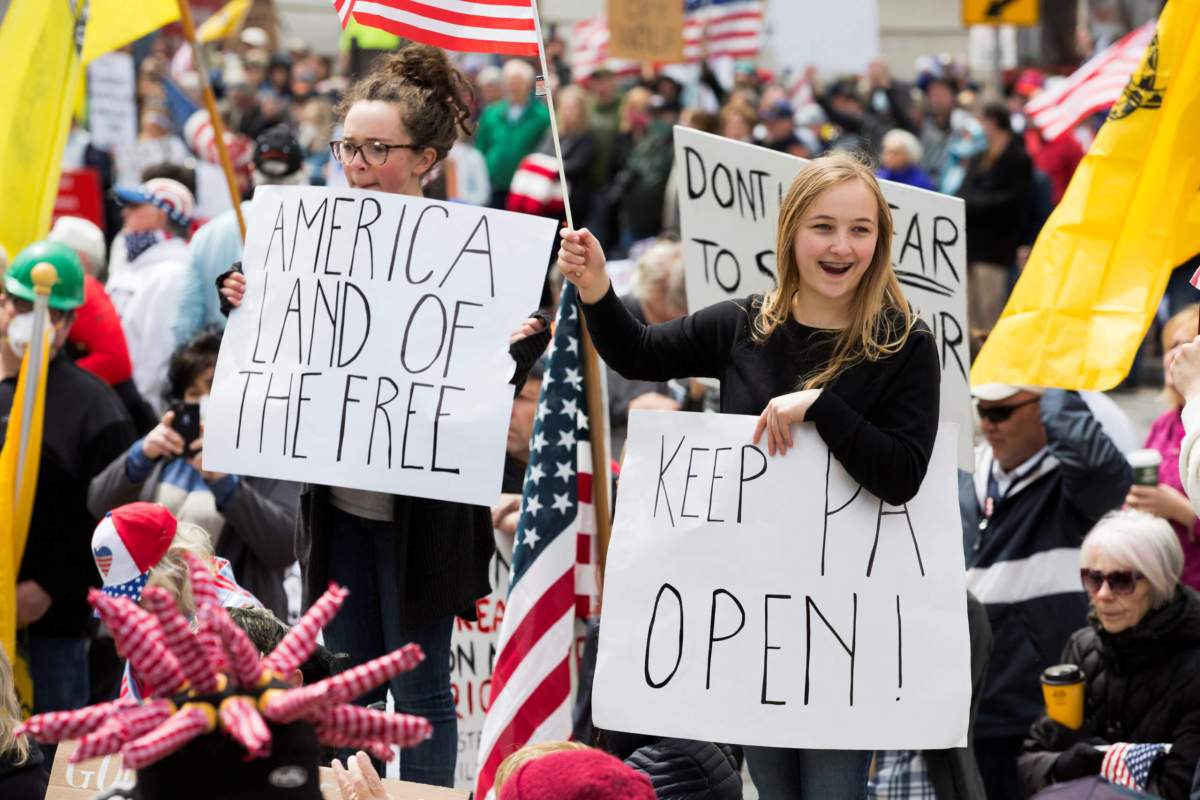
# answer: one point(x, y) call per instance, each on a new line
point(729, 199)
point(771, 601)
point(371, 349)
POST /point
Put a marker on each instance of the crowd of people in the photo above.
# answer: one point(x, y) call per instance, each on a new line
point(1069, 558)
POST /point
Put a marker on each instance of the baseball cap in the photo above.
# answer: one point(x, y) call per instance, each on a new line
point(128, 542)
point(780, 109)
point(82, 236)
point(165, 194)
point(277, 153)
point(1002, 391)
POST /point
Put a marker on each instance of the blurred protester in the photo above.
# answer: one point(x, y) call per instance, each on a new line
point(1167, 500)
point(147, 273)
point(863, 121)
point(250, 520)
point(23, 776)
point(313, 130)
point(967, 143)
point(156, 144)
point(1058, 158)
point(938, 126)
point(507, 512)
point(511, 128)
point(697, 120)
point(86, 427)
point(900, 159)
point(490, 83)
point(96, 341)
point(737, 120)
point(470, 173)
point(779, 120)
point(638, 189)
point(279, 76)
point(1044, 475)
point(633, 119)
point(605, 101)
point(1139, 655)
point(578, 147)
point(278, 161)
point(996, 189)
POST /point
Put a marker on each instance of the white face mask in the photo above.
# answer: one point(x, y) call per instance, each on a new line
point(20, 331)
point(203, 402)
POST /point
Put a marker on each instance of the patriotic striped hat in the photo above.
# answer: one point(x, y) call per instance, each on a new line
point(170, 196)
point(127, 543)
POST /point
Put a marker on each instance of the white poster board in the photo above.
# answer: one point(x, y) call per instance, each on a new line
point(770, 601)
point(371, 349)
point(838, 38)
point(729, 199)
point(112, 104)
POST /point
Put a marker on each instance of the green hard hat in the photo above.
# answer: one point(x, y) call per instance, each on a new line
point(67, 292)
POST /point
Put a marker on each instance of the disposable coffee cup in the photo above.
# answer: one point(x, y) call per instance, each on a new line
point(1145, 465)
point(1062, 689)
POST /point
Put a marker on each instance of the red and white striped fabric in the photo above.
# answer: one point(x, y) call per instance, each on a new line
point(240, 719)
point(343, 687)
point(367, 724)
point(299, 642)
point(711, 29)
point(187, 723)
point(1094, 86)
point(535, 188)
point(180, 640)
point(472, 26)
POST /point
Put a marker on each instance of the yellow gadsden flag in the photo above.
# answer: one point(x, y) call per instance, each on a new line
point(1130, 215)
point(225, 22)
point(115, 23)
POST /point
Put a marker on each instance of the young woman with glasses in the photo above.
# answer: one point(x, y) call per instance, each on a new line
point(1140, 656)
point(411, 564)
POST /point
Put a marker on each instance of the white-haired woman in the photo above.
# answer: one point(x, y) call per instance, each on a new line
point(510, 128)
point(900, 160)
point(1140, 657)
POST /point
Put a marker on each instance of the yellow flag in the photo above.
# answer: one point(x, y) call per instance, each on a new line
point(38, 87)
point(18, 483)
point(225, 22)
point(1130, 215)
point(112, 24)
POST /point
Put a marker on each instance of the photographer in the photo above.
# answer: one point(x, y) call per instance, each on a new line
point(250, 520)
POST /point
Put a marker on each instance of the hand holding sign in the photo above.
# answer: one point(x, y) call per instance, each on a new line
point(780, 414)
point(581, 261)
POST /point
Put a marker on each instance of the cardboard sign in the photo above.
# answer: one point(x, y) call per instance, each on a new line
point(772, 601)
point(1000, 12)
point(112, 102)
point(87, 779)
point(371, 349)
point(729, 199)
point(646, 30)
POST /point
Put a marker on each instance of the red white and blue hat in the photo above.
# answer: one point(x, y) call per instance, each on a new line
point(127, 543)
point(169, 196)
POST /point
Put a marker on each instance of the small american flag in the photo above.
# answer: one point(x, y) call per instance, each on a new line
point(711, 28)
point(1094, 86)
point(531, 682)
point(472, 26)
point(1129, 764)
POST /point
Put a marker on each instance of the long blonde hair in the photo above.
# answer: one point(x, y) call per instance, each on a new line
point(10, 716)
point(880, 317)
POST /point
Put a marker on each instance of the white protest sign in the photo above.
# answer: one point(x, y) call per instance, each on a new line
point(729, 199)
point(112, 105)
point(771, 601)
point(371, 349)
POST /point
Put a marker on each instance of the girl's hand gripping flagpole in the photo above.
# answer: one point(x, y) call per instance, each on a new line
point(596, 405)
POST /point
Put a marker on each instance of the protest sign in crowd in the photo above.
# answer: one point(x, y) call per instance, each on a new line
point(607, 410)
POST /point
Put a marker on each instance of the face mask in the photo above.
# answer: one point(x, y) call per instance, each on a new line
point(20, 332)
point(203, 402)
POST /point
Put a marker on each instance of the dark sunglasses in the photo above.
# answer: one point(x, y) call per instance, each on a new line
point(1120, 582)
point(999, 414)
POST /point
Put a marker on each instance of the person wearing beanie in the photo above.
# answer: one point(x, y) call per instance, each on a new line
point(577, 775)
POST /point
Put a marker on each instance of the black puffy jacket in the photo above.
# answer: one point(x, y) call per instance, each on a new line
point(681, 769)
point(1143, 685)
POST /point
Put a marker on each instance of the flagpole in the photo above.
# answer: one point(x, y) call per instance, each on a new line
point(597, 418)
point(210, 103)
point(44, 277)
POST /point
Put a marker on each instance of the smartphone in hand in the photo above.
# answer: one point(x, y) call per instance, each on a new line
point(187, 423)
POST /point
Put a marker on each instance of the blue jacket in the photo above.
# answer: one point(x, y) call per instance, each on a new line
point(1023, 560)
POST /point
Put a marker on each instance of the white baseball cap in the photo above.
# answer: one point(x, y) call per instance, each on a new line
point(83, 236)
point(1002, 391)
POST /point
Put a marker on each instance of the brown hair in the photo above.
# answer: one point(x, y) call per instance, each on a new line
point(433, 95)
point(1187, 318)
point(880, 317)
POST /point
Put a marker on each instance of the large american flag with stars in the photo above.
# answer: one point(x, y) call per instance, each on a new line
point(553, 564)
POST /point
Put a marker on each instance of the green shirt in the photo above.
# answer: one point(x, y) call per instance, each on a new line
point(504, 143)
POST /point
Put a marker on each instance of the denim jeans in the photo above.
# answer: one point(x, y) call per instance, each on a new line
point(362, 557)
point(784, 774)
point(59, 669)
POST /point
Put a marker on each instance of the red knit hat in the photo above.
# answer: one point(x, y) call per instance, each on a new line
point(577, 775)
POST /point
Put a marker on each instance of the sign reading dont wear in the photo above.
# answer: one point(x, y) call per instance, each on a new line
point(371, 348)
point(772, 601)
point(730, 194)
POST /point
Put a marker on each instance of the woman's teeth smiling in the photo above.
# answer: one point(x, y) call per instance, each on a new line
point(835, 267)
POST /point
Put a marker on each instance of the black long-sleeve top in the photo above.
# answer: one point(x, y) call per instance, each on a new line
point(878, 418)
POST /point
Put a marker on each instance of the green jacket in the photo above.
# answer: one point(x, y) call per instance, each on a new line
point(505, 143)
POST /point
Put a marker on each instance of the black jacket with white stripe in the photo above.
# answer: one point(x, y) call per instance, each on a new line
point(1023, 560)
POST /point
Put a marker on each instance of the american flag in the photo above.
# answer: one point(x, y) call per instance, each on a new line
point(473, 26)
point(531, 681)
point(1094, 86)
point(711, 28)
point(1129, 764)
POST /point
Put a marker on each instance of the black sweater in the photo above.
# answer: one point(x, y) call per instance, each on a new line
point(879, 419)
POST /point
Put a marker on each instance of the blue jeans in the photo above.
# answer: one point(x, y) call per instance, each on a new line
point(59, 668)
point(783, 774)
point(362, 557)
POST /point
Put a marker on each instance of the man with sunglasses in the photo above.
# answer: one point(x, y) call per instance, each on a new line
point(1044, 474)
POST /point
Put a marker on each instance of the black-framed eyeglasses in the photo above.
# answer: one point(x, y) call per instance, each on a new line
point(1122, 581)
point(998, 414)
point(374, 154)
